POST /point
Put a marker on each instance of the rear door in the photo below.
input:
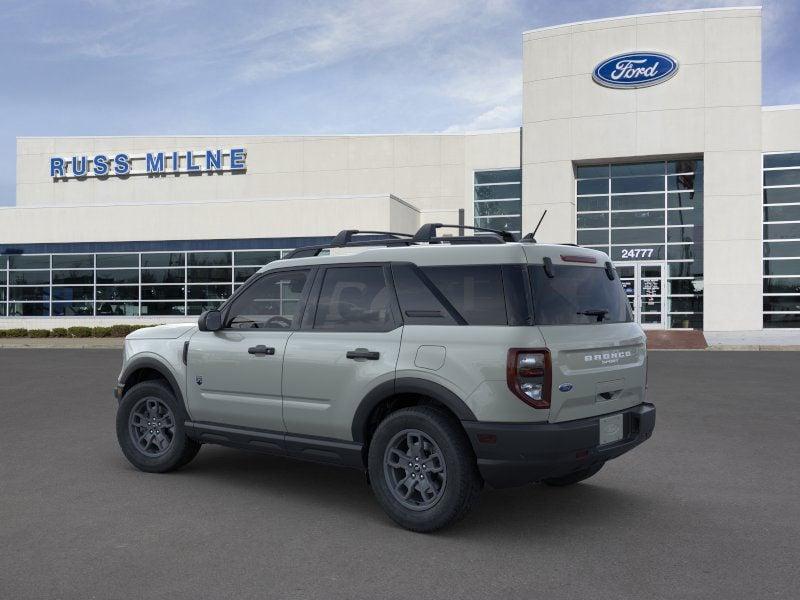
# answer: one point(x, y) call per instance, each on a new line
point(348, 344)
point(598, 352)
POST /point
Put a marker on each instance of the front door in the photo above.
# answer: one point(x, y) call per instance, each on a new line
point(644, 284)
point(234, 375)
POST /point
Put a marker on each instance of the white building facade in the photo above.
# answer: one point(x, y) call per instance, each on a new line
point(642, 136)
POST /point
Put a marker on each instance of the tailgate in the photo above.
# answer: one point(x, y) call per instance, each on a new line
point(600, 368)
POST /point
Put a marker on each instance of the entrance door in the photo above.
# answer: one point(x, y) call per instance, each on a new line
point(644, 285)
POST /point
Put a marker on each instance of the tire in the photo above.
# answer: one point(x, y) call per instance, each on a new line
point(453, 483)
point(573, 478)
point(163, 448)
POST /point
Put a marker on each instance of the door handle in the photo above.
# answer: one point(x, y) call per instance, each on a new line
point(363, 353)
point(262, 350)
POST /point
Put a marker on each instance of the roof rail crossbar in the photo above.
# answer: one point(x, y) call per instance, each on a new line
point(344, 239)
point(427, 232)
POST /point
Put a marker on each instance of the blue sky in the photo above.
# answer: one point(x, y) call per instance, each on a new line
point(101, 67)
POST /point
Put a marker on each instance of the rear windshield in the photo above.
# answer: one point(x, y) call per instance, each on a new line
point(577, 295)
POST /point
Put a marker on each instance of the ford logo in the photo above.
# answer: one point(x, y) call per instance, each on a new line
point(565, 387)
point(635, 70)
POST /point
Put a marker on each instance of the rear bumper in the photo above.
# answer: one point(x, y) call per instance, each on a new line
point(511, 454)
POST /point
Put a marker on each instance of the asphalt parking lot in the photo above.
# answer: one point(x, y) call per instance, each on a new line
point(708, 508)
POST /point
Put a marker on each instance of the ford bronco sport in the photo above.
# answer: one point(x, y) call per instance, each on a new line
point(435, 364)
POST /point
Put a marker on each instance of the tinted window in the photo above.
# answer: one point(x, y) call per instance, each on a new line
point(476, 292)
point(271, 302)
point(354, 299)
point(418, 303)
point(573, 291)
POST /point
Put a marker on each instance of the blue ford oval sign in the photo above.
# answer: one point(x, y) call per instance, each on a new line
point(635, 70)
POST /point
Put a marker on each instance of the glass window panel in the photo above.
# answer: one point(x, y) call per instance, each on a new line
point(162, 308)
point(694, 304)
point(685, 199)
point(593, 186)
point(683, 182)
point(593, 203)
point(593, 220)
point(782, 267)
point(637, 184)
point(492, 192)
point(120, 292)
point(118, 276)
point(592, 171)
point(782, 160)
point(28, 309)
point(683, 269)
point(209, 259)
point(782, 213)
point(782, 303)
point(2, 294)
point(685, 286)
point(782, 285)
point(588, 237)
point(3, 261)
point(73, 309)
point(73, 277)
point(788, 177)
point(775, 321)
point(117, 309)
point(163, 259)
point(354, 299)
point(684, 166)
point(417, 303)
point(73, 261)
point(163, 276)
point(2, 277)
point(488, 209)
point(637, 202)
point(504, 223)
point(781, 249)
point(209, 292)
point(680, 234)
point(29, 293)
point(684, 217)
point(72, 292)
point(782, 231)
point(26, 261)
point(782, 195)
point(196, 308)
point(162, 292)
point(500, 176)
point(476, 292)
point(241, 274)
point(2, 310)
point(637, 219)
point(256, 258)
point(29, 277)
point(680, 252)
point(686, 321)
point(208, 275)
point(112, 261)
point(637, 236)
point(651, 168)
point(624, 271)
point(640, 252)
point(270, 302)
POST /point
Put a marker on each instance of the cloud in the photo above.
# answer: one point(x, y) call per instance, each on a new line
point(497, 117)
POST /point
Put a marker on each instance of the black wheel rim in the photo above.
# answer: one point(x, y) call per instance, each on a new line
point(415, 470)
point(152, 427)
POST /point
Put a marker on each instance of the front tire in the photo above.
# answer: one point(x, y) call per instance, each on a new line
point(150, 429)
point(422, 469)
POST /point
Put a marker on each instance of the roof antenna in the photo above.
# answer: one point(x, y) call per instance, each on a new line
point(531, 237)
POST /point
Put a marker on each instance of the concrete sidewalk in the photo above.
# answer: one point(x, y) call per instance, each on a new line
point(66, 343)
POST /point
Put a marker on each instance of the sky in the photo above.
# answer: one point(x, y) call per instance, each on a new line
point(161, 67)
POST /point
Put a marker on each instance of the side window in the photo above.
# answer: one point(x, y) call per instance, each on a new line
point(272, 302)
point(418, 303)
point(354, 299)
point(475, 291)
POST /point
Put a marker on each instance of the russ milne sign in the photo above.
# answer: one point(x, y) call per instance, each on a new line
point(151, 163)
point(635, 70)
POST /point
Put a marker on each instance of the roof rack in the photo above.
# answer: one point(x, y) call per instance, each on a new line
point(427, 233)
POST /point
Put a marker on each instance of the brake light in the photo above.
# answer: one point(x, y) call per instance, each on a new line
point(579, 258)
point(528, 374)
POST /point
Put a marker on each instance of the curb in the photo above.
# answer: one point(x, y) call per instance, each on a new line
point(62, 343)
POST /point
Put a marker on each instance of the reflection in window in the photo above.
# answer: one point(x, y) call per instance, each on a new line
point(498, 199)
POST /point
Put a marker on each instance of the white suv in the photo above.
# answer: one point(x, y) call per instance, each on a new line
point(435, 364)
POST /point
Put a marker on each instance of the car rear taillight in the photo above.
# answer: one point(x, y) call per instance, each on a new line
point(528, 373)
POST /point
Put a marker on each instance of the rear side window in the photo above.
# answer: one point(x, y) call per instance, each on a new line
point(475, 291)
point(577, 295)
point(354, 299)
point(418, 301)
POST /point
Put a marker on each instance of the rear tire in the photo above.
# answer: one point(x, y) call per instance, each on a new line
point(422, 469)
point(150, 429)
point(573, 478)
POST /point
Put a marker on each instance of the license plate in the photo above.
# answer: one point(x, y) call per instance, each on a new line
point(611, 429)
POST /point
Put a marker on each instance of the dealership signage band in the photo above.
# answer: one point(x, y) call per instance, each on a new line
point(151, 163)
point(635, 70)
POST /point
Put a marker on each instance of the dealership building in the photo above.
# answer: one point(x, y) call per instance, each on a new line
point(643, 136)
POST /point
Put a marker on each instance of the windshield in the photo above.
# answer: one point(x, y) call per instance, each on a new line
point(577, 295)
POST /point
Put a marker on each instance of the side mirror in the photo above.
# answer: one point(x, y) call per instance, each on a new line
point(210, 320)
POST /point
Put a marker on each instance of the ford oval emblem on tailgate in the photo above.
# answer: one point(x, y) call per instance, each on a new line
point(565, 387)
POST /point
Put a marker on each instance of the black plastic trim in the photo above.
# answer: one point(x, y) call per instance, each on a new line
point(147, 362)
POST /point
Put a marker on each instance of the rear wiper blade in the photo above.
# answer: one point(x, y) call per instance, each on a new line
point(600, 313)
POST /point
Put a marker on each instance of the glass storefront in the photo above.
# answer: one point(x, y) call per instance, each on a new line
point(124, 284)
point(781, 301)
point(498, 199)
point(648, 217)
